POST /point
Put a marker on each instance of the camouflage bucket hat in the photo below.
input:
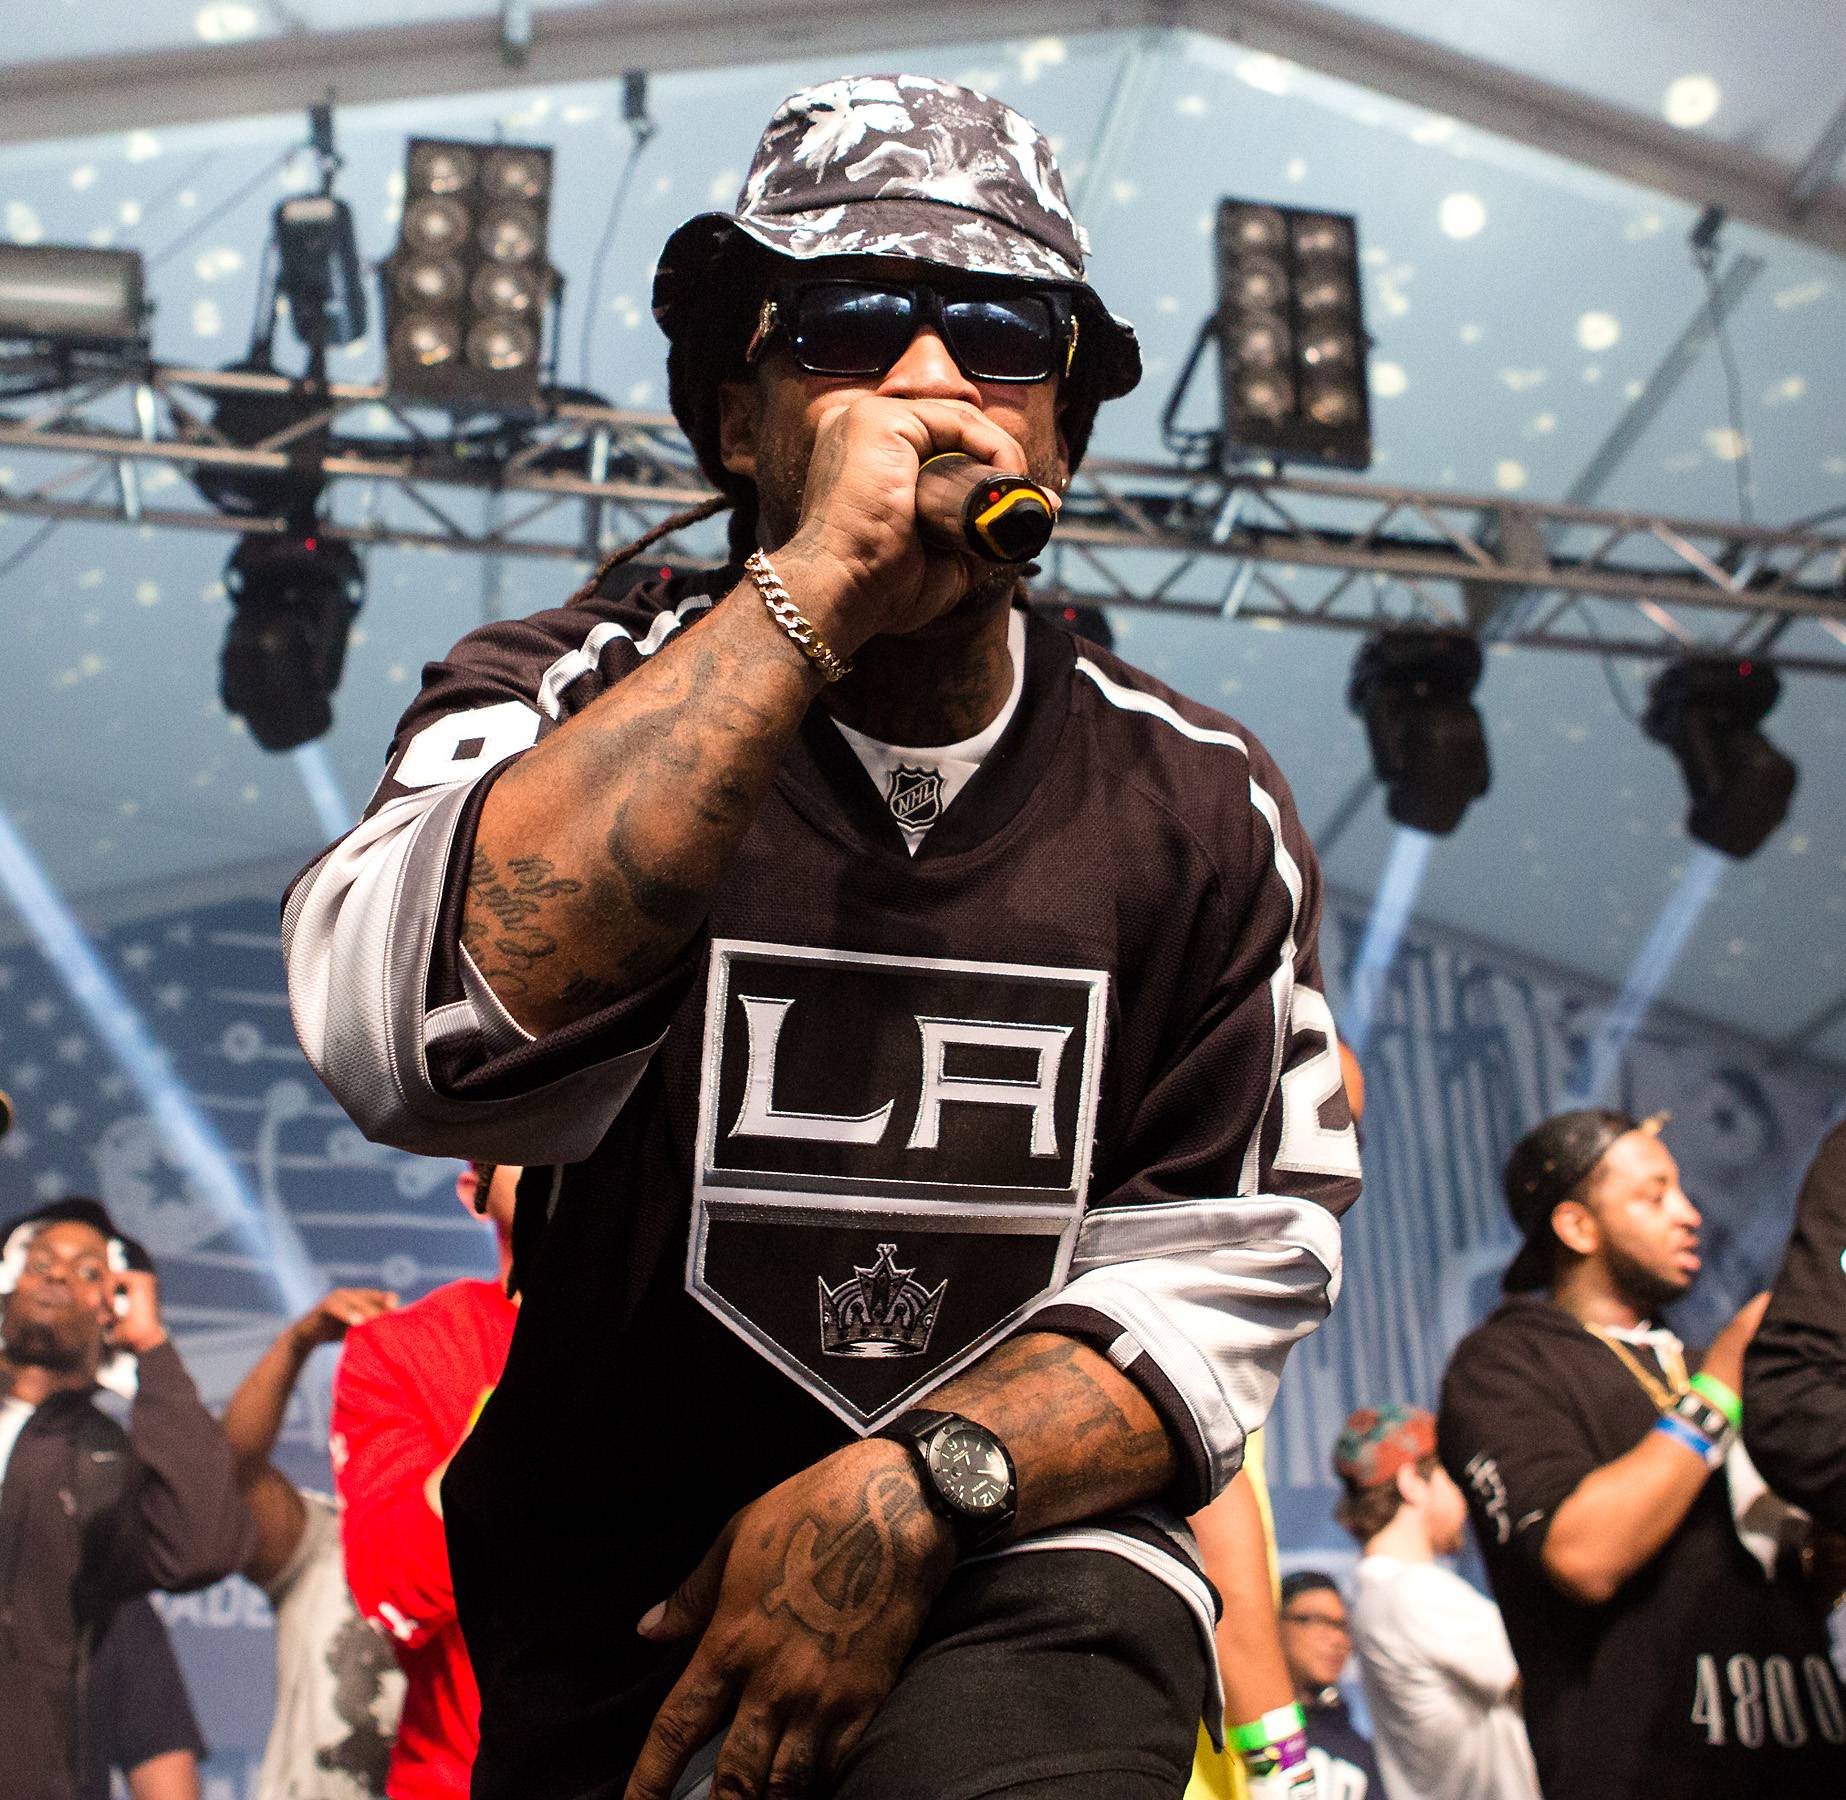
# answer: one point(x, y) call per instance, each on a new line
point(902, 166)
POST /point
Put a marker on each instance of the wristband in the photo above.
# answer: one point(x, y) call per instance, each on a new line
point(1724, 1398)
point(792, 620)
point(1682, 1431)
point(1275, 1726)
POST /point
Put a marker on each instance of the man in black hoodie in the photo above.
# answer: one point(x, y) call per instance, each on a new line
point(1670, 1647)
point(91, 1514)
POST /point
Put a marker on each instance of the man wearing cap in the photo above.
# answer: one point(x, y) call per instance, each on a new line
point(919, 1010)
point(90, 1514)
point(1670, 1645)
point(1439, 1673)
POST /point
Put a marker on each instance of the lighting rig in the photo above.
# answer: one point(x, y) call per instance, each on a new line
point(1413, 687)
point(1707, 711)
point(469, 284)
point(1291, 341)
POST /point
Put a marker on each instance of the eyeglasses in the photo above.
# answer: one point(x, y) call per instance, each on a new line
point(845, 328)
point(1320, 1621)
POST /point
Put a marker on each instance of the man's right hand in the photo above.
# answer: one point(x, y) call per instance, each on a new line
point(1724, 1360)
point(331, 1317)
point(856, 565)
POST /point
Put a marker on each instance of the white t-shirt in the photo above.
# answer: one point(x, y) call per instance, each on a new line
point(13, 1416)
point(338, 1687)
point(919, 781)
point(1439, 1676)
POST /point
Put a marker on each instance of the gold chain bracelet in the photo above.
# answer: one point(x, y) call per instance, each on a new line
point(790, 617)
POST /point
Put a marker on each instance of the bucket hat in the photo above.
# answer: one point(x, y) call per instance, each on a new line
point(897, 166)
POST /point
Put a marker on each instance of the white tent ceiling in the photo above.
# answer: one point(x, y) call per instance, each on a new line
point(1514, 327)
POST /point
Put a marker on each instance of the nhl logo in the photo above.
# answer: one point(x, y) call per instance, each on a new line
point(915, 797)
point(885, 1311)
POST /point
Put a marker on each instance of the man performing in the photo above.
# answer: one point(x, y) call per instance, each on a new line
point(947, 1124)
point(1669, 1651)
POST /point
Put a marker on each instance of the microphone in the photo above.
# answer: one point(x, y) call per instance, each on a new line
point(965, 505)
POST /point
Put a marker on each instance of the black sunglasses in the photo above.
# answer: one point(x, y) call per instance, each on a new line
point(863, 327)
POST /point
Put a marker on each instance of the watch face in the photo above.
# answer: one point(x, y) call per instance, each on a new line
point(970, 1469)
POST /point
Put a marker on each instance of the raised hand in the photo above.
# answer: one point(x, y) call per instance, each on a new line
point(807, 1604)
point(335, 1314)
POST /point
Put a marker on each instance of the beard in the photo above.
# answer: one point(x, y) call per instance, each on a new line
point(1644, 1286)
point(32, 1344)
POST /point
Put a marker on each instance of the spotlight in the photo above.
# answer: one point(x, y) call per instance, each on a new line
point(1291, 339)
point(1706, 710)
point(317, 270)
point(1412, 687)
point(70, 298)
point(466, 288)
point(294, 599)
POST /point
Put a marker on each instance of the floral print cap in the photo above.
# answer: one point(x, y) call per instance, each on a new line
point(902, 166)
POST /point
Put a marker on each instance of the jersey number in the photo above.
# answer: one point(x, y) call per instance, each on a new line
point(1765, 1701)
point(462, 745)
point(1307, 1146)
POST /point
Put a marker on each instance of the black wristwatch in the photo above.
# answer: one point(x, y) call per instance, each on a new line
point(967, 1474)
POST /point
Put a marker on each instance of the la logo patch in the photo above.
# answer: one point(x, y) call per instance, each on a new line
point(915, 796)
point(893, 1159)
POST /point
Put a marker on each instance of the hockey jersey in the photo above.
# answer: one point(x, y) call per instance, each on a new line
point(1068, 1068)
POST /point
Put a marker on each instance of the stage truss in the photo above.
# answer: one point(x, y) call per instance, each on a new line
point(1274, 549)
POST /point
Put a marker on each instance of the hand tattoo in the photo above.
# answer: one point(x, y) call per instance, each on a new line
point(836, 1586)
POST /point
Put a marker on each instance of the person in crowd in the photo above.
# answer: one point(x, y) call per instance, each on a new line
point(410, 1384)
point(1316, 1645)
point(785, 909)
point(1664, 1657)
point(1794, 1372)
point(139, 1721)
point(1439, 1672)
point(1267, 1736)
point(91, 1514)
point(338, 1687)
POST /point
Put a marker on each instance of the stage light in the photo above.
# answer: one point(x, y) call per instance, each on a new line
point(466, 288)
point(1412, 686)
point(317, 270)
point(294, 598)
point(1291, 339)
point(1706, 710)
point(58, 295)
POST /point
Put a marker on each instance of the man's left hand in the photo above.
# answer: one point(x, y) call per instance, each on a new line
point(808, 1604)
point(139, 1329)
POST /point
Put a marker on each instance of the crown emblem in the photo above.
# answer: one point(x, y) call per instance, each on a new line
point(883, 1311)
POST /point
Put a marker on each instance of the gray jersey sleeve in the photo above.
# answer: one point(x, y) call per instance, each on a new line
point(387, 1004)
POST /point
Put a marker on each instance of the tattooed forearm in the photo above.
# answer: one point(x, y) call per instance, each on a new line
point(503, 918)
point(1084, 1437)
point(625, 819)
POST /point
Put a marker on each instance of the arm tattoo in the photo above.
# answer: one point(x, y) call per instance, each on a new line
point(1085, 1438)
point(501, 927)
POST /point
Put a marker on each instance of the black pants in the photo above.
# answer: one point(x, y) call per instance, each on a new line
point(1066, 1673)
point(1051, 1675)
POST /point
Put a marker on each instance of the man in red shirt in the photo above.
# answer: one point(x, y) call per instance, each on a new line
point(410, 1386)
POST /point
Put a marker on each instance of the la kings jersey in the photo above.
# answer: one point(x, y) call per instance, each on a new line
point(1068, 1068)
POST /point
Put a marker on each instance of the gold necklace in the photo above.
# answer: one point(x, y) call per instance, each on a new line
point(1662, 1393)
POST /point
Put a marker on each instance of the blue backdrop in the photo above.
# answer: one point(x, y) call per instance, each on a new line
point(1470, 1047)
